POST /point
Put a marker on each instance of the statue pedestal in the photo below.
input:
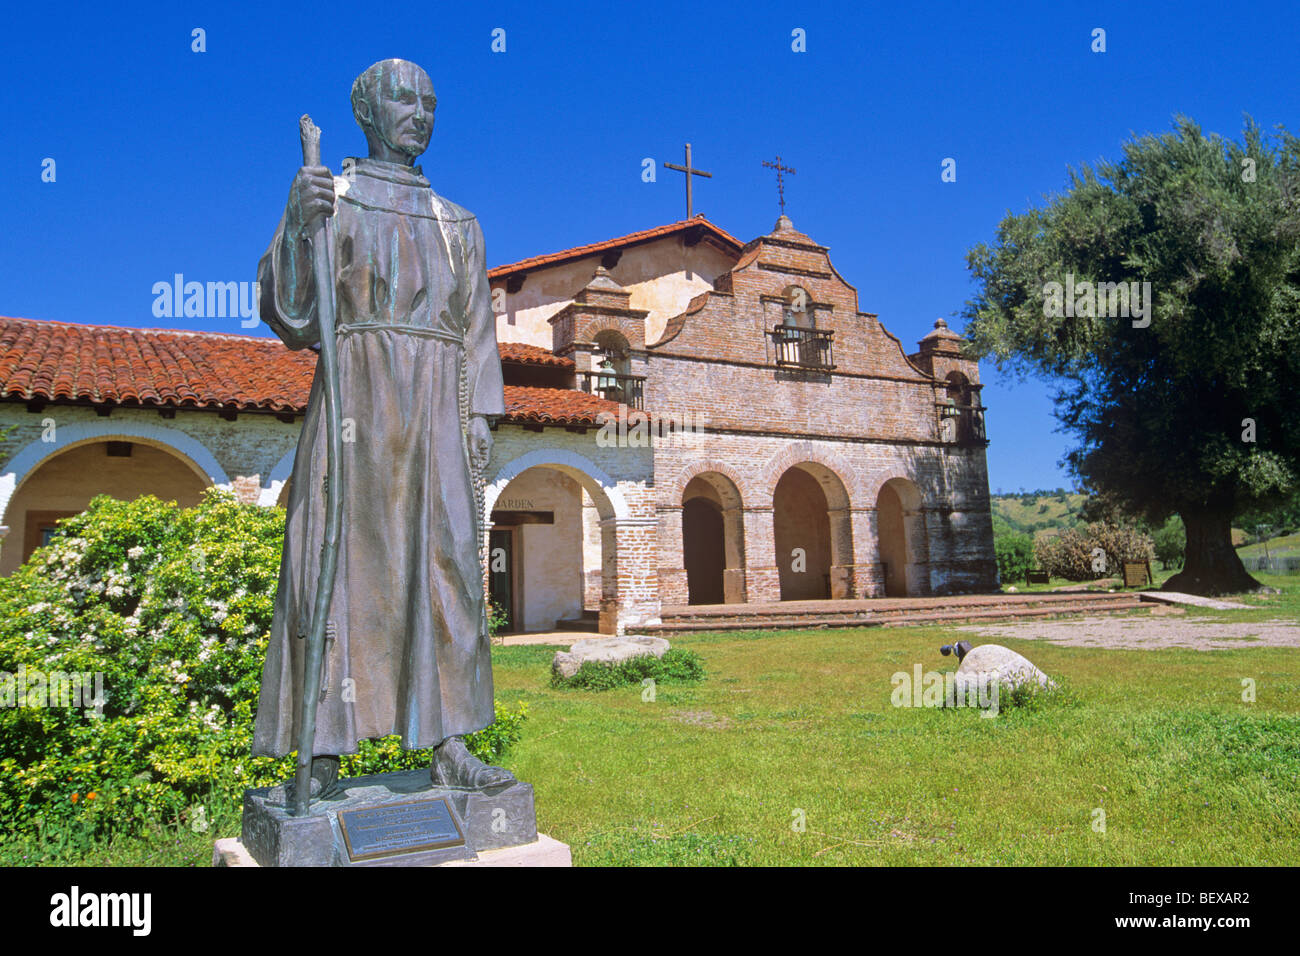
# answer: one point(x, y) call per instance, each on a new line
point(390, 819)
point(544, 852)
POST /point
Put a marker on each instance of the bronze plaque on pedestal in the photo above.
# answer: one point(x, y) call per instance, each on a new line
point(400, 828)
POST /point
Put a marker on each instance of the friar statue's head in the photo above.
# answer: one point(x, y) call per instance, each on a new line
point(393, 102)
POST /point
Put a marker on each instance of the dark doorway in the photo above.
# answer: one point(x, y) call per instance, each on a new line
point(801, 527)
point(703, 552)
point(501, 576)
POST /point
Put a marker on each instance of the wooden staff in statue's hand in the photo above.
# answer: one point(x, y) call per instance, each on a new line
point(311, 201)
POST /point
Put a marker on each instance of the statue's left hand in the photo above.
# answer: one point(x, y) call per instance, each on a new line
point(480, 441)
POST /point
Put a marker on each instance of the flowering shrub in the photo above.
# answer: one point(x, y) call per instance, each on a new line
point(1072, 553)
point(171, 609)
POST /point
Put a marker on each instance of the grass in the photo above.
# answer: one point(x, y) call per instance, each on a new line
point(1285, 546)
point(798, 725)
point(801, 722)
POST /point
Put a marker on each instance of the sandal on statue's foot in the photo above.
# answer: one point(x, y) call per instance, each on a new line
point(454, 766)
point(324, 778)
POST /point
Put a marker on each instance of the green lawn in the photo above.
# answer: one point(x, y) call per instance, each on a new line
point(1186, 772)
point(715, 773)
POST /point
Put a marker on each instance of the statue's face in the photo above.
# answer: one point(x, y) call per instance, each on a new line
point(402, 114)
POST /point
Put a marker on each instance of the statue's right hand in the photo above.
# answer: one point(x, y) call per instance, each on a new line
point(311, 197)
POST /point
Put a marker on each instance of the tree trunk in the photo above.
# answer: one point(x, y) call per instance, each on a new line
point(1211, 564)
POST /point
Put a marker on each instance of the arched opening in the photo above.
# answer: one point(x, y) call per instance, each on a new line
point(535, 560)
point(713, 540)
point(899, 530)
point(612, 346)
point(613, 366)
point(796, 312)
point(702, 551)
point(802, 531)
point(961, 425)
point(554, 536)
point(63, 484)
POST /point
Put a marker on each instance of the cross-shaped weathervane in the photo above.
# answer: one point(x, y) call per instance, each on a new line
point(780, 180)
point(690, 211)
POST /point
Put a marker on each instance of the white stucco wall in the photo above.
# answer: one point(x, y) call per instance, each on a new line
point(662, 277)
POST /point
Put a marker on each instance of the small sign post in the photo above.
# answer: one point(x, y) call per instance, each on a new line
point(1137, 574)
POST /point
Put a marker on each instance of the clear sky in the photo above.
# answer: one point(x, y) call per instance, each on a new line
point(173, 161)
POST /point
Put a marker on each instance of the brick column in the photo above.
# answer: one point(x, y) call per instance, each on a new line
point(868, 574)
point(918, 553)
point(842, 557)
point(762, 579)
point(672, 573)
point(591, 552)
point(733, 534)
point(939, 556)
point(629, 574)
point(247, 488)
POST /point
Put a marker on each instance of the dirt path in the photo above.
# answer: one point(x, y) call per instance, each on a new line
point(1148, 633)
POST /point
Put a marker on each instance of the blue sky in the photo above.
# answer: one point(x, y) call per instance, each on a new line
point(171, 161)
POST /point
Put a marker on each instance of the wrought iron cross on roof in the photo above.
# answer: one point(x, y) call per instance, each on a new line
point(780, 179)
point(689, 171)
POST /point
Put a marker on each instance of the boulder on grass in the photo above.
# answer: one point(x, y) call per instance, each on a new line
point(608, 650)
point(987, 661)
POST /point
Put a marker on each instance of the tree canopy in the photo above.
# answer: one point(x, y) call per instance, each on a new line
point(1161, 294)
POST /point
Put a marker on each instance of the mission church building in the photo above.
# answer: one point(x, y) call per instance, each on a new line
point(689, 421)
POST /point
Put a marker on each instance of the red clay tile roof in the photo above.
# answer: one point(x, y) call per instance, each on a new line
point(720, 236)
point(108, 364)
point(165, 367)
point(554, 406)
point(524, 354)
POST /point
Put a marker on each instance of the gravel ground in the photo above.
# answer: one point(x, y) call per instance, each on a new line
point(1148, 633)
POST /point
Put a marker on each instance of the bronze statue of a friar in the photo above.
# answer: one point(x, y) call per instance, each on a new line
point(404, 316)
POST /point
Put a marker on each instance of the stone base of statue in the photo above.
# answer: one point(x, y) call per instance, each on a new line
point(389, 819)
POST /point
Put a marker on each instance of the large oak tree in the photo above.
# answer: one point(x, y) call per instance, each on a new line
point(1195, 413)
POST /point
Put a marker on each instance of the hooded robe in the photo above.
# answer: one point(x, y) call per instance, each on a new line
point(407, 647)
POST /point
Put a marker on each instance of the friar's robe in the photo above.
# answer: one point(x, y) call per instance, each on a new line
point(407, 648)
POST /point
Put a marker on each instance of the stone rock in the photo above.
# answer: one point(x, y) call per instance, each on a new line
point(607, 650)
point(987, 661)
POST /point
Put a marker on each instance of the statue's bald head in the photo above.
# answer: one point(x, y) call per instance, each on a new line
point(393, 102)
